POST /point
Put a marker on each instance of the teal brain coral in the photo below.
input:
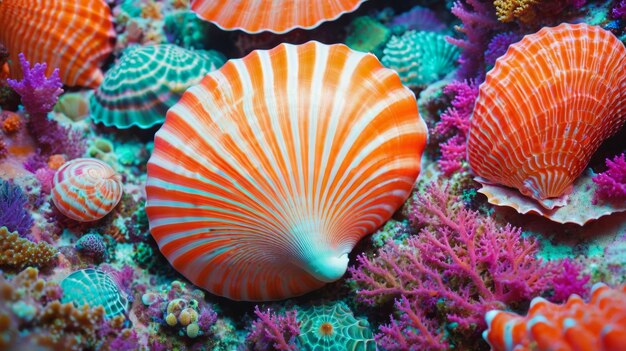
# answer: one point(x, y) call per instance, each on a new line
point(146, 82)
point(334, 328)
point(420, 57)
point(94, 287)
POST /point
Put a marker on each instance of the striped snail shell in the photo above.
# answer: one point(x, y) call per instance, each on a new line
point(86, 189)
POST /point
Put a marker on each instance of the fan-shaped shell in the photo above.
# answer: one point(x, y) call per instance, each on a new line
point(266, 174)
point(546, 107)
point(278, 16)
point(146, 82)
point(73, 36)
point(86, 189)
point(94, 287)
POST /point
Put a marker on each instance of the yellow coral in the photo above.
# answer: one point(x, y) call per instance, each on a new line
point(509, 10)
point(19, 252)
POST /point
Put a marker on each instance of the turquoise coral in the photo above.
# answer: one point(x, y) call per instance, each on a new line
point(368, 35)
point(420, 58)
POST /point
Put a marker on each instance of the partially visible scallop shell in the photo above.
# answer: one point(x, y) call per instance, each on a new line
point(546, 107)
point(73, 36)
point(86, 189)
point(278, 16)
point(146, 82)
point(94, 287)
point(266, 174)
point(579, 207)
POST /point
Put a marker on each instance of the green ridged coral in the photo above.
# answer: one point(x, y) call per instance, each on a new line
point(334, 328)
point(420, 58)
point(147, 81)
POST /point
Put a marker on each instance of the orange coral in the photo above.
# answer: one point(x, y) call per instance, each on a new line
point(509, 10)
point(151, 10)
point(56, 161)
point(11, 122)
point(16, 252)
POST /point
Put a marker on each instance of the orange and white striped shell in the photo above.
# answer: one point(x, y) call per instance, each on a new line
point(74, 36)
point(277, 16)
point(546, 107)
point(599, 325)
point(267, 173)
point(86, 189)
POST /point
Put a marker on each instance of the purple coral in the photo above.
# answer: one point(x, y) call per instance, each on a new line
point(39, 94)
point(14, 212)
point(274, 332)
point(92, 245)
point(459, 266)
point(419, 18)
point(455, 122)
point(479, 22)
point(611, 184)
point(619, 10)
point(498, 45)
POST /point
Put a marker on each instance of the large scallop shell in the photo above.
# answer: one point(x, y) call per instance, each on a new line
point(266, 174)
point(147, 81)
point(278, 16)
point(86, 189)
point(546, 107)
point(74, 36)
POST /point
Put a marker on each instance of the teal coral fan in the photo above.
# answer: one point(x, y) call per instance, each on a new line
point(420, 57)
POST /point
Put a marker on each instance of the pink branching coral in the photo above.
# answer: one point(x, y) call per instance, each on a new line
point(612, 183)
point(458, 267)
point(274, 332)
point(455, 122)
point(479, 22)
point(569, 281)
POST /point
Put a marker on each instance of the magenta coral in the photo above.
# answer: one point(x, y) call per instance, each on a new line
point(412, 332)
point(569, 281)
point(611, 185)
point(455, 122)
point(274, 332)
point(459, 266)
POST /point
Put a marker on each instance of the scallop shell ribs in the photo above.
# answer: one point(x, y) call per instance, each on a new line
point(266, 174)
point(546, 107)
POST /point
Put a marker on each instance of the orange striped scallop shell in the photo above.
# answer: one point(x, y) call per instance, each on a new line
point(277, 16)
point(86, 189)
point(546, 107)
point(74, 36)
point(267, 173)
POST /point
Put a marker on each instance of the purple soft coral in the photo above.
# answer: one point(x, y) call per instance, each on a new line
point(13, 209)
point(498, 45)
point(39, 94)
point(274, 332)
point(619, 10)
point(612, 183)
point(458, 267)
point(479, 21)
point(455, 122)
